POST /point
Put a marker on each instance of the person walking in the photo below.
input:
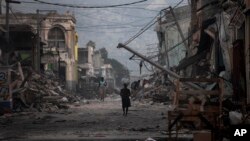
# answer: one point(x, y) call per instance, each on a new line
point(125, 94)
point(102, 88)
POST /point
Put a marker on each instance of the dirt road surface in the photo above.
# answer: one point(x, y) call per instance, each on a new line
point(88, 120)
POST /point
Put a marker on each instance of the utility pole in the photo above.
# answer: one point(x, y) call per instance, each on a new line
point(7, 23)
point(1, 7)
point(37, 49)
point(37, 59)
point(7, 17)
point(171, 73)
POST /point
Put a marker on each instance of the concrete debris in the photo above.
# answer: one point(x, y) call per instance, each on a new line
point(150, 139)
point(152, 89)
point(77, 103)
point(84, 101)
point(39, 92)
point(235, 117)
point(64, 99)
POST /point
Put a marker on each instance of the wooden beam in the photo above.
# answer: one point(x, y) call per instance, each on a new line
point(247, 55)
point(200, 92)
point(199, 79)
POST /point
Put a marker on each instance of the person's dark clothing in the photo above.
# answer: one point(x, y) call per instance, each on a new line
point(125, 93)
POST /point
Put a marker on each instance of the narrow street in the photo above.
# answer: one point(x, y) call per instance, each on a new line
point(182, 67)
point(88, 120)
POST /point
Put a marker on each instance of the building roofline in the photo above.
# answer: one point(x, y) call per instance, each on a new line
point(46, 16)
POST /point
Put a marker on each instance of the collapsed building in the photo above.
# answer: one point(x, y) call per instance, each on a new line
point(54, 48)
point(36, 44)
point(204, 50)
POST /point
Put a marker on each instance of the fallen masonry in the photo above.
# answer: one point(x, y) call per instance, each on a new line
point(32, 91)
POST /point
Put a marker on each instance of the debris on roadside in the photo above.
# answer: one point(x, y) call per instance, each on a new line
point(150, 139)
point(33, 92)
point(152, 89)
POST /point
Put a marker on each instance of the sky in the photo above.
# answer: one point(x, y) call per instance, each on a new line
point(109, 26)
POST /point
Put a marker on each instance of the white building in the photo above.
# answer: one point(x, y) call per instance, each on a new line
point(169, 35)
point(86, 61)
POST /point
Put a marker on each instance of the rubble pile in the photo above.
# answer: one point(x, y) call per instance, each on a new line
point(38, 92)
point(155, 92)
point(162, 94)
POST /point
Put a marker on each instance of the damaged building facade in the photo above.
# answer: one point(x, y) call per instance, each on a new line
point(85, 63)
point(86, 77)
point(169, 35)
point(211, 78)
point(91, 68)
point(214, 44)
point(209, 86)
point(54, 50)
point(216, 47)
point(225, 25)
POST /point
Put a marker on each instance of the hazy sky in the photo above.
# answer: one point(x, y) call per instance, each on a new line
point(109, 26)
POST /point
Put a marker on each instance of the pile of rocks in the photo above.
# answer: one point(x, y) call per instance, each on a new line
point(39, 92)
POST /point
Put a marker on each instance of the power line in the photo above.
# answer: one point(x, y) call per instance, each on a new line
point(125, 25)
point(107, 27)
point(117, 26)
point(150, 70)
point(138, 8)
point(94, 17)
point(128, 15)
point(94, 31)
point(105, 19)
point(12, 13)
point(178, 4)
point(145, 28)
point(125, 7)
point(29, 2)
point(161, 4)
point(11, 9)
point(150, 24)
point(77, 6)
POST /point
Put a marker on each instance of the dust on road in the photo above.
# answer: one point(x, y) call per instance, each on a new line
point(88, 119)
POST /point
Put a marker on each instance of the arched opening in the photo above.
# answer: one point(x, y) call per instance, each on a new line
point(57, 44)
point(56, 38)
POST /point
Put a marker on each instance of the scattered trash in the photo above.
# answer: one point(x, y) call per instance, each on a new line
point(150, 139)
point(235, 117)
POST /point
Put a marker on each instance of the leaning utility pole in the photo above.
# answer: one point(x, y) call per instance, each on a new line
point(171, 73)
